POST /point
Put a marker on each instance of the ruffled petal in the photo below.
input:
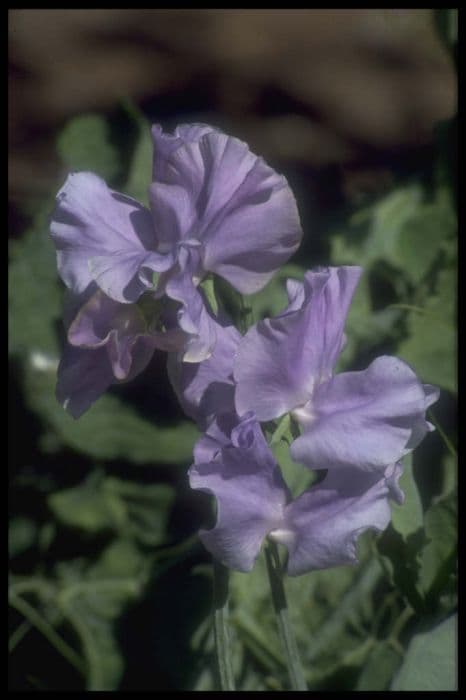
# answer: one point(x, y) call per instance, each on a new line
point(321, 527)
point(99, 316)
point(101, 321)
point(255, 226)
point(216, 437)
point(206, 389)
point(281, 360)
point(367, 419)
point(163, 165)
point(83, 376)
point(104, 237)
point(209, 186)
point(193, 317)
point(250, 495)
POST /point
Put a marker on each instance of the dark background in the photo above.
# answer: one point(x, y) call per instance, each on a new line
point(343, 96)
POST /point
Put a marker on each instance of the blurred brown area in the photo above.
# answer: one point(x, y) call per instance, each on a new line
point(316, 88)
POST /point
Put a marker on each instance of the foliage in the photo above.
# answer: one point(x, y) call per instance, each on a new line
point(109, 589)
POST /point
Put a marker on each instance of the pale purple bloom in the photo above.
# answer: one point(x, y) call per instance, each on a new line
point(206, 389)
point(319, 528)
point(366, 419)
point(209, 190)
point(108, 342)
point(218, 435)
point(215, 207)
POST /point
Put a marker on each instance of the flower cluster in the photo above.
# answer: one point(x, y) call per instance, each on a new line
point(135, 284)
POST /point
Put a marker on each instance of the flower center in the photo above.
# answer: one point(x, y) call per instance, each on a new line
point(305, 414)
point(282, 536)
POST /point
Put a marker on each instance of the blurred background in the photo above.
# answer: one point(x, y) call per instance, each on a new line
point(348, 95)
point(109, 587)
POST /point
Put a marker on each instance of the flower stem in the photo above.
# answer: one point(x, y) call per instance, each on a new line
point(222, 637)
point(284, 625)
point(18, 635)
point(35, 619)
point(442, 434)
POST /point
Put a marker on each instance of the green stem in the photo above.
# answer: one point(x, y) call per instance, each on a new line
point(18, 635)
point(284, 625)
point(33, 617)
point(418, 310)
point(442, 433)
point(222, 637)
point(245, 315)
point(400, 623)
point(281, 429)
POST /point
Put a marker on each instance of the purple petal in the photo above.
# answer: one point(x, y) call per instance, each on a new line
point(165, 146)
point(206, 389)
point(321, 527)
point(101, 321)
point(216, 437)
point(83, 376)
point(99, 316)
point(250, 495)
point(367, 419)
point(109, 342)
point(228, 430)
point(281, 360)
point(103, 236)
point(209, 186)
point(193, 317)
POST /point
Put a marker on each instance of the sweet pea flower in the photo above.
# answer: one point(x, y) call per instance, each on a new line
point(108, 343)
point(366, 419)
point(214, 207)
point(319, 528)
point(205, 389)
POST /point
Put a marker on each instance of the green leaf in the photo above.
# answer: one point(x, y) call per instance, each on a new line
point(22, 534)
point(408, 517)
point(34, 294)
point(379, 667)
point(421, 237)
point(273, 299)
point(400, 558)
point(365, 328)
point(120, 560)
point(135, 510)
point(431, 344)
point(93, 602)
point(384, 221)
point(389, 217)
point(438, 559)
point(431, 660)
point(325, 608)
point(140, 171)
point(147, 508)
point(88, 506)
point(297, 476)
point(450, 475)
point(402, 230)
point(84, 144)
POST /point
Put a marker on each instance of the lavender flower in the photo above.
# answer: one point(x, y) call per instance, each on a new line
point(319, 528)
point(205, 390)
point(215, 207)
point(366, 419)
point(109, 342)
